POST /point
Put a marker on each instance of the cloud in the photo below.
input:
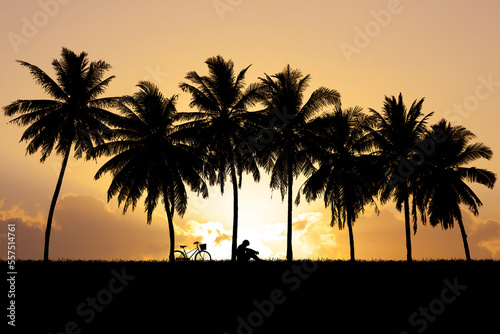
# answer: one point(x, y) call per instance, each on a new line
point(20, 215)
point(274, 232)
point(312, 235)
point(213, 234)
point(483, 236)
point(28, 228)
point(315, 237)
point(222, 237)
point(86, 227)
point(383, 237)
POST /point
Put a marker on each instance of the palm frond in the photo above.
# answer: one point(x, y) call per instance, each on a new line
point(44, 80)
point(473, 152)
point(320, 98)
point(31, 110)
point(99, 88)
point(478, 175)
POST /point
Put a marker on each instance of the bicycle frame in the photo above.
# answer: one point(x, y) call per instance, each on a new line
point(193, 252)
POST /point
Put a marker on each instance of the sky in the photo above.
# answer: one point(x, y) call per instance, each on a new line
point(446, 51)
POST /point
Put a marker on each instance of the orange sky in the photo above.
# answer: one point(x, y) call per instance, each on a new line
point(445, 51)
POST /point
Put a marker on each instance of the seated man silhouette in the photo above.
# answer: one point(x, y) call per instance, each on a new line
point(244, 254)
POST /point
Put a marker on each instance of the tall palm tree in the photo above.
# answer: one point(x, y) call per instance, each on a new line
point(73, 117)
point(443, 181)
point(395, 135)
point(291, 151)
point(222, 123)
point(150, 156)
point(348, 176)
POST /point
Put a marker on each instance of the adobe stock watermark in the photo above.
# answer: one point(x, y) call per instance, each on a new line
point(425, 149)
point(32, 25)
point(223, 6)
point(482, 92)
point(265, 135)
point(373, 28)
point(89, 308)
point(292, 279)
point(197, 204)
point(155, 75)
point(420, 320)
point(71, 165)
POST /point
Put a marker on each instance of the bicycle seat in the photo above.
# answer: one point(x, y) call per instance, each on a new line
point(183, 246)
point(196, 242)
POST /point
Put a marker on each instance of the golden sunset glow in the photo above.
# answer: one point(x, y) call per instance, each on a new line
point(445, 51)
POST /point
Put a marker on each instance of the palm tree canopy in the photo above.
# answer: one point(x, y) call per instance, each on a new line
point(75, 115)
point(294, 142)
point(149, 155)
point(348, 176)
point(223, 120)
point(444, 175)
point(395, 134)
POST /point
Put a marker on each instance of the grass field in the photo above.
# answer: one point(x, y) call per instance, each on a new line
point(266, 297)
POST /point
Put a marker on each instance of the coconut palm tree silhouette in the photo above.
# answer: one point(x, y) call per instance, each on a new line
point(348, 176)
point(442, 182)
point(291, 151)
point(74, 117)
point(222, 123)
point(149, 156)
point(395, 134)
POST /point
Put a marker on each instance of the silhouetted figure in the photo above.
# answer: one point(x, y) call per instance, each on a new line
point(244, 254)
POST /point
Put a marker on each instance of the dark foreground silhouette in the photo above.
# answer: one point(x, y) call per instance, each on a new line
point(259, 297)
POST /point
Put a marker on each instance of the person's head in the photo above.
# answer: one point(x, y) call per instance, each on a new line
point(245, 243)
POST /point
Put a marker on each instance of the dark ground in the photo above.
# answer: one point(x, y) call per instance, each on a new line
point(267, 297)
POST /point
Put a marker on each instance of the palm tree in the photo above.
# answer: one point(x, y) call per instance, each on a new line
point(74, 116)
point(291, 151)
point(347, 177)
point(222, 123)
point(443, 188)
point(395, 135)
point(149, 156)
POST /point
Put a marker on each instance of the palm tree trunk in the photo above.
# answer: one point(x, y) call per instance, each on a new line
point(464, 237)
point(53, 204)
point(170, 218)
point(351, 237)
point(407, 227)
point(289, 251)
point(235, 213)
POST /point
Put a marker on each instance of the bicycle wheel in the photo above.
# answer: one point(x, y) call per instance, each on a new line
point(203, 256)
point(180, 256)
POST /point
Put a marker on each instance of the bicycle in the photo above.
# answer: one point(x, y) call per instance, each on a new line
point(199, 253)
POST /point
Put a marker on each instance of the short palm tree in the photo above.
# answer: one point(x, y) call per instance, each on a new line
point(73, 117)
point(291, 151)
point(150, 157)
point(348, 176)
point(396, 132)
point(222, 123)
point(443, 185)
